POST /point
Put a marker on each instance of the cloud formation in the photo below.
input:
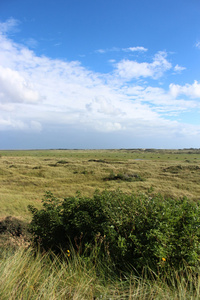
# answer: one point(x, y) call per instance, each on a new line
point(10, 25)
point(14, 88)
point(190, 90)
point(37, 92)
point(129, 69)
point(135, 49)
point(117, 49)
point(178, 68)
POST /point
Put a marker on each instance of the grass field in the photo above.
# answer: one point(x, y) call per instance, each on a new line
point(26, 175)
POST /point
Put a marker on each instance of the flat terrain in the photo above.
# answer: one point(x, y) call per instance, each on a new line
point(26, 175)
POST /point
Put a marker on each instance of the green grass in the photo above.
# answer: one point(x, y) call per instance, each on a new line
point(24, 178)
point(26, 175)
point(26, 275)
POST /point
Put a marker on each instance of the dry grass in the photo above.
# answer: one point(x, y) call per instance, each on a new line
point(26, 175)
point(24, 178)
point(26, 275)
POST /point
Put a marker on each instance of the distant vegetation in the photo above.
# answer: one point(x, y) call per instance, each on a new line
point(124, 177)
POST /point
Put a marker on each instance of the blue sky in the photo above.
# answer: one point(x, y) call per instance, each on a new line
point(99, 74)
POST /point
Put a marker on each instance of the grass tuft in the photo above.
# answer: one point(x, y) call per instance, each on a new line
point(26, 274)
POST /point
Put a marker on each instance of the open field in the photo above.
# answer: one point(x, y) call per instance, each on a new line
point(26, 175)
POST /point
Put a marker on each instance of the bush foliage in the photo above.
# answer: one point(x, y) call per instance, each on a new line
point(127, 231)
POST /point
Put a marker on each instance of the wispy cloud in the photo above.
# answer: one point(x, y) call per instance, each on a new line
point(9, 25)
point(190, 90)
point(39, 92)
point(113, 49)
point(31, 43)
point(129, 69)
point(117, 49)
point(135, 49)
point(101, 51)
point(197, 45)
point(178, 69)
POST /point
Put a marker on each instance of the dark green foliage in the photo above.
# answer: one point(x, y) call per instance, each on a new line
point(127, 230)
point(124, 177)
point(60, 223)
point(85, 172)
point(62, 161)
point(98, 160)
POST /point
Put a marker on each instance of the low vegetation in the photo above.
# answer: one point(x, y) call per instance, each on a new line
point(26, 175)
point(127, 231)
point(25, 274)
point(124, 177)
point(136, 237)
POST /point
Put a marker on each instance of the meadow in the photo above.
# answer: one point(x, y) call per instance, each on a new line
point(25, 176)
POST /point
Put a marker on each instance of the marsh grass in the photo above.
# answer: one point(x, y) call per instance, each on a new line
point(24, 178)
point(26, 274)
point(26, 175)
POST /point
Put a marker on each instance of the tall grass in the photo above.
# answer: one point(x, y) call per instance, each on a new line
point(25, 274)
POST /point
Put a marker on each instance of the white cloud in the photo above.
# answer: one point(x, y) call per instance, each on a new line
point(14, 88)
point(102, 51)
point(113, 49)
point(112, 61)
point(9, 26)
point(178, 68)
point(108, 126)
point(191, 90)
point(133, 49)
point(117, 49)
point(39, 92)
point(197, 45)
point(13, 124)
point(129, 69)
point(159, 101)
point(103, 105)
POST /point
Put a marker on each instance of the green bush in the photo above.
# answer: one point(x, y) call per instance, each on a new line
point(128, 231)
point(75, 220)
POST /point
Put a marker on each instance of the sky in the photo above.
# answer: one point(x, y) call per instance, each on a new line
point(99, 74)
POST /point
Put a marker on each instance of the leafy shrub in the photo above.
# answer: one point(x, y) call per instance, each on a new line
point(127, 230)
point(60, 223)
